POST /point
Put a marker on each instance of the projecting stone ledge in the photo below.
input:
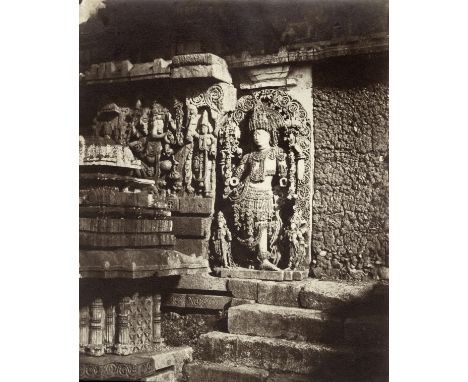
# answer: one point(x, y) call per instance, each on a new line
point(242, 273)
point(201, 65)
point(138, 263)
point(161, 365)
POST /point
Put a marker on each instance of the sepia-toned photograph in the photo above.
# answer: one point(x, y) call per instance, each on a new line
point(233, 190)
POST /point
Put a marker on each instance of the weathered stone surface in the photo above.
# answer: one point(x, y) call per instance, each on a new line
point(367, 330)
point(283, 294)
point(319, 294)
point(196, 206)
point(209, 372)
point(202, 282)
point(137, 263)
point(199, 247)
point(246, 289)
point(182, 329)
point(176, 357)
point(350, 213)
point(191, 226)
point(196, 301)
point(273, 353)
point(161, 376)
point(281, 322)
point(109, 240)
point(241, 301)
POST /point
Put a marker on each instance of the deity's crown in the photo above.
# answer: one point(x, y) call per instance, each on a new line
point(264, 118)
point(159, 111)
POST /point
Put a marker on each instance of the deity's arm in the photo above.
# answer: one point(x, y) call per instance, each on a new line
point(282, 166)
point(239, 171)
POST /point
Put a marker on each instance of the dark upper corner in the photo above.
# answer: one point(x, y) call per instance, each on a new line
point(141, 30)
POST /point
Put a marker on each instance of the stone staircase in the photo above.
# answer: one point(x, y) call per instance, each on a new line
point(336, 332)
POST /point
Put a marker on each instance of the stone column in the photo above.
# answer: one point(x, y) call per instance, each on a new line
point(157, 339)
point(84, 327)
point(95, 332)
point(123, 346)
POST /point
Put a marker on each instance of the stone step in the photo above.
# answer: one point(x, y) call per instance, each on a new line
point(214, 372)
point(224, 372)
point(283, 322)
point(291, 356)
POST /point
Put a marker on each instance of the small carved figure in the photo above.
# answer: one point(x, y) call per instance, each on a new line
point(297, 243)
point(204, 155)
point(256, 219)
point(221, 239)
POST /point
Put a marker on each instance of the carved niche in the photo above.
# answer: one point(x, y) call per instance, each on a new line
point(266, 187)
point(172, 143)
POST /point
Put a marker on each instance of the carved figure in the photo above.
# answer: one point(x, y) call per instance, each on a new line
point(297, 235)
point(204, 155)
point(256, 218)
point(221, 239)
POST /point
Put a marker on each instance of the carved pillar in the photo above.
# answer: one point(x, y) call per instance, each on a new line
point(84, 327)
point(95, 330)
point(157, 339)
point(110, 328)
point(123, 346)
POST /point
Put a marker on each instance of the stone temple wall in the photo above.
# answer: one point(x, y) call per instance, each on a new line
point(350, 205)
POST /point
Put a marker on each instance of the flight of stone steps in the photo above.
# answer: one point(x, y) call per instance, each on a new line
point(305, 331)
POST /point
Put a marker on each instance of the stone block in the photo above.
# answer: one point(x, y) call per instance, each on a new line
point(241, 301)
point(274, 354)
point(202, 282)
point(367, 330)
point(330, 294)
point(282, 294)
point(161, 376)
point(199, 247)
point(241, 288)
point(196, 301)
point(203, 65)
point(196, 206)
point(191, 226)
point(282, 322)
point(209, 372)
point(176, 357)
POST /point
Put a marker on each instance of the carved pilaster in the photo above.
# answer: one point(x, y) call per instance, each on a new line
point(84, 327)
point(157, 339)
point(109, 335)
point(95, 330)
point(123, 346)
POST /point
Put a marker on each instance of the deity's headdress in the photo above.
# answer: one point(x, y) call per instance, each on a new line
point(264, 118)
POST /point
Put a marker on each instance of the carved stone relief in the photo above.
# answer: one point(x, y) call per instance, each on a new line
point(265, 169)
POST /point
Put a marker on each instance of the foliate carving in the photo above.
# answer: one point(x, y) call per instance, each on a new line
point(221, 242)
point(140, 323)
point(119, 370)
point(269, 187)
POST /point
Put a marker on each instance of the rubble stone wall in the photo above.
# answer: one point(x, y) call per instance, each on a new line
point(350, 205)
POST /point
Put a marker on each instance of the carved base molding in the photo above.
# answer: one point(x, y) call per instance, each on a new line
point(134, 367)
point(242, 273)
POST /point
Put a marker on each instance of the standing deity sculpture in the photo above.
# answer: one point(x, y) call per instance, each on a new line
point(221, 240)
point(256, 217)
point(203, 156)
